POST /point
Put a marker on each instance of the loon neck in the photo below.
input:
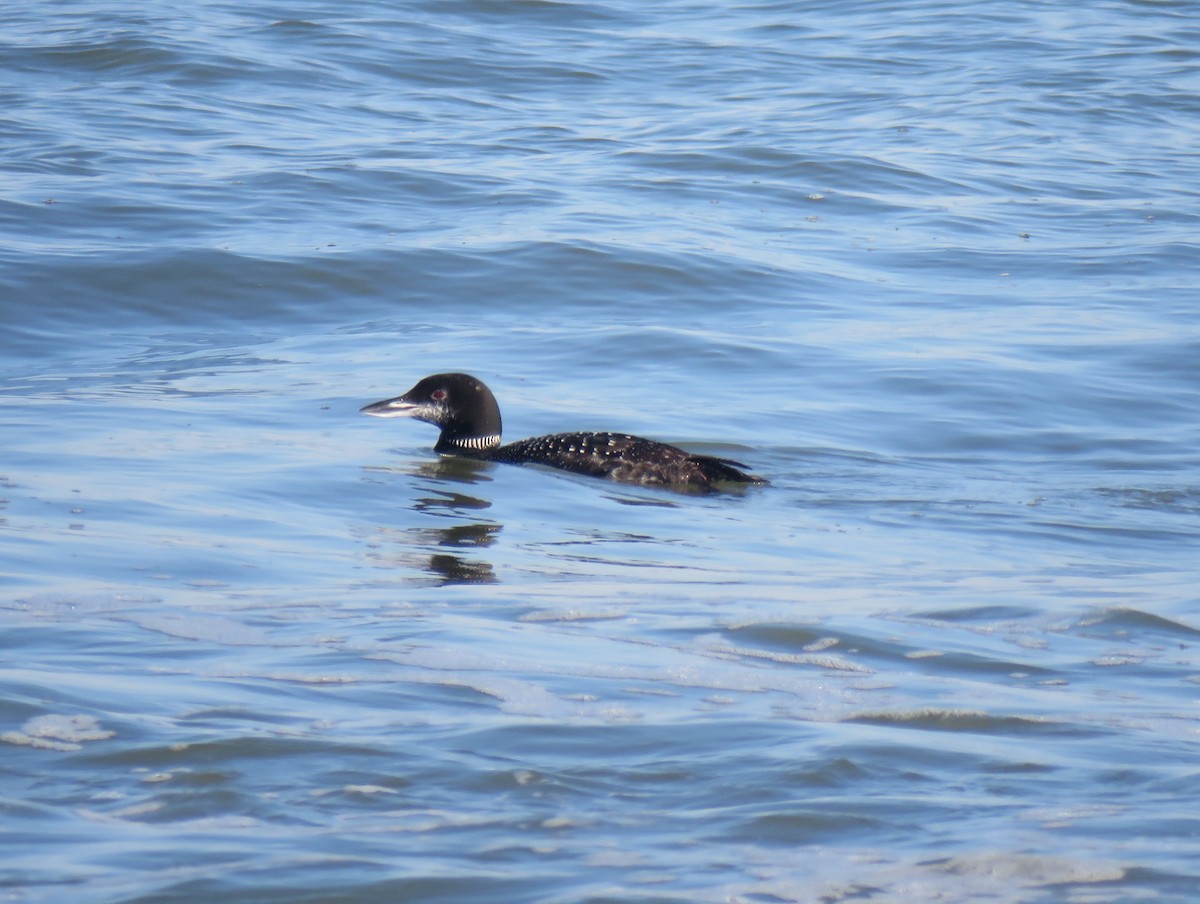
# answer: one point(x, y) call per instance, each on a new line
point(468, 445)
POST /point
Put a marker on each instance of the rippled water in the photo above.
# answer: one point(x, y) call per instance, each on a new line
point(930, 268)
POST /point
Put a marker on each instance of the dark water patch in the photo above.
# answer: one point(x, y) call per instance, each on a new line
point(324, 888)
point(633, 746)
point(1155, 881)
point(131, 54)
point(225, 751)
point(972, 722)
point(521, 15)
point(1184, 500)
point(838, 771)
point(803, 827)
point(877, 651)
point(988, 616)
point(1084, 533)
point(1136, 625)
point(202, 287)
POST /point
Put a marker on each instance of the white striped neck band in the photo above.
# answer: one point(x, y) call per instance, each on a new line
point(476, 442)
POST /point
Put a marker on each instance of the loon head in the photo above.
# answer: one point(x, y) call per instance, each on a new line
point(461, 405)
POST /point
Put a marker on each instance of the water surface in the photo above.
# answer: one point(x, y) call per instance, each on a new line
point(928, 268)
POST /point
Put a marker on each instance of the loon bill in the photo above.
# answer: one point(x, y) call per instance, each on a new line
point(469, 418)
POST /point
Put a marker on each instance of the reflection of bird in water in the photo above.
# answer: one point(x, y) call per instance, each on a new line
point(446, 567)
point(456, 570)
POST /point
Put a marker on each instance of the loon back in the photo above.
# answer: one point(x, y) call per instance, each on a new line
point(469, 418)
point(619, 456)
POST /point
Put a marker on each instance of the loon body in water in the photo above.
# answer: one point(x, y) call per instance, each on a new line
point(467, 413)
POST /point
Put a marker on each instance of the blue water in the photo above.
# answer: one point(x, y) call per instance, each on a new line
point(931, 268)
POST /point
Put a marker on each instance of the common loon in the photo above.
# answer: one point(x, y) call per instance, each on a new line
point(469, 417)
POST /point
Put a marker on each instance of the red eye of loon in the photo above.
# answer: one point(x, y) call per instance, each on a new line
point(438, 395)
